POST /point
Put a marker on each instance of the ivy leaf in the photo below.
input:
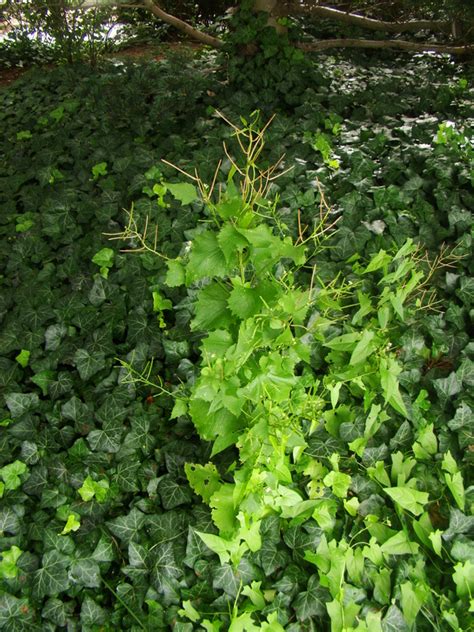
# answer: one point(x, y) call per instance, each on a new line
point(85, 572)
point(399, 545)
point(464, 418)
point(394, 621)
point(107, 439)
point(173, 494)
point(52, 578)
point(389, 370)
point(57, 611)
point(165, 566)
point(137, 555)
point(463, 549)
point(8, 567)
point(126, 476)
point(463, 577)
point(91, 613)
point(447, 387)
point(311, 602)
point(166, 526)
point(465, 372)
point(271, 557)
point(16, 614)
point(459, 524)
point(23, 358)
point(88, 364)
point(104, 550)
point(75, 410)
point(43, 379)
point(408, 498)
point(91, 488)
point(20, 403)
point(11, 474)
point(72, 524)
point(53, 336)
point(127, 527)
point(104, 258)
point(206, 258)
point(226, 579)
point(9, 521)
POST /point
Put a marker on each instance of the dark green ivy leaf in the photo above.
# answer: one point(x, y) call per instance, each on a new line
point(106, 439)
point(165, 566)
point(20, 403)
point(173, 494)
point(57, 611)
point(88, 364)
point(394, 621)
point(224, 578)
point(9, 521)
point(311, 602)
point(92, 613)
point(126, 475)
point(447, 387)
point(127, 527)
point(16, 615)
point(52, 578)
point(459, 524)
point(85, 572)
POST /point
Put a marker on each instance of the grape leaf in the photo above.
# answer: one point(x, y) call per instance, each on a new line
point(204, 479)
point(211, 310)
point(244, 301)
point(182, 191)
point(206, 258)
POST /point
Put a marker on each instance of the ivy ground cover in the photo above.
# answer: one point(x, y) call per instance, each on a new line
point(368, 518)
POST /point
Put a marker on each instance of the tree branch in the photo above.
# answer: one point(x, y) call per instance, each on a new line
point(182, 26)
point(399, 44)
point(367, 23)
point(152, 6)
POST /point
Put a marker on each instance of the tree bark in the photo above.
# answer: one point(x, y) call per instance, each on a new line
point(397, 44)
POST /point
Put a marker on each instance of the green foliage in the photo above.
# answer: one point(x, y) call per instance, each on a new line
point(75, 420)
point(59, 30)
point(262, 58)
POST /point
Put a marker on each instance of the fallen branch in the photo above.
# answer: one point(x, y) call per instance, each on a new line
point(182, 26)
point(398, 44)
point(362, 21)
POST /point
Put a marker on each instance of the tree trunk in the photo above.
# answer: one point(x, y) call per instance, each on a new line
point(275, 10)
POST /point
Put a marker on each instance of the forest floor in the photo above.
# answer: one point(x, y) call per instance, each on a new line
point(143, 52)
